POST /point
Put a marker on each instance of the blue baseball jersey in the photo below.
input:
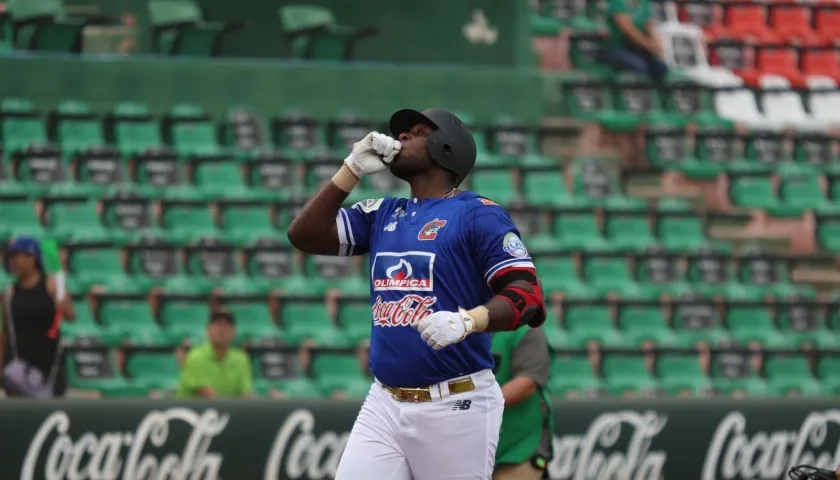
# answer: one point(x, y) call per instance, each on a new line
point(429, 256)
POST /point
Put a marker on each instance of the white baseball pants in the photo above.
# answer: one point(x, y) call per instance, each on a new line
point(453, 437)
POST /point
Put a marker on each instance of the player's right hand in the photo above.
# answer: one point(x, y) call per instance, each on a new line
point(364, 159)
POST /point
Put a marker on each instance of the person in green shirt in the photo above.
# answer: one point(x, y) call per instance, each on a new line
point(522, 367)
point(633, 44)
point(216, 368)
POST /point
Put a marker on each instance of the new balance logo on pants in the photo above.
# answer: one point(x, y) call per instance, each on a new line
point(462, 405)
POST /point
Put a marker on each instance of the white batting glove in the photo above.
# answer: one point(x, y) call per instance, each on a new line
point(386, 147)
point(441, 329)
point(363, 159)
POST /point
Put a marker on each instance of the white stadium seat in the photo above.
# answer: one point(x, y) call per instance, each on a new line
point(683, 45)
point(783, 106)
point(824, 100)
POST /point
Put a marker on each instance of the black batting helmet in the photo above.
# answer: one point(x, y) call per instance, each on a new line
point(451, 145)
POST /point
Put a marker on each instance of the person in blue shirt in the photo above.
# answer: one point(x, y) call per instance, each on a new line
point(447, 268)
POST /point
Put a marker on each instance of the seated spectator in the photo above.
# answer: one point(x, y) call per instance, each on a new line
point(632, 44)
point(217, 369)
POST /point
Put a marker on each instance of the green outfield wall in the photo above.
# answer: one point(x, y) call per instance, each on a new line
point(372, 89)
point(272, 440)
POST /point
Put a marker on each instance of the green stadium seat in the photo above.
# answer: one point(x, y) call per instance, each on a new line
point(765, 151)
point(309, 320)
point(642, 323)
point(153, 370)
point(572, 374)
point(786, 374)
point(20, 125)
point(312, 33)
point(627, 374)
point(76, 127)
point(577, 228)
point(588, 97)
point(711, 273)
point(43, 25)
point(496, 184)
point(554, 333)
point(184, 319)
point(816, 149)
point(336, 372)
point(76, 221)
point(219, 178)
point(801, 192)
point(128, 319)
point(19, 218)
point(85, 326)
point(253, 320)
point(191, 131)
point(587, 322)
point(635, 94)
point(679, 228)
point(281, 371)
point(716, 148)
point(99, 265)
point(608, 272)
point(828, 371)
point(802, 321)
point(752, 322)
point(244, 130)
point(545, 188)
point(828, 229)
point(484, 157)
point(764, 274)
point(246, 222)
point(753, 191)
point(134, 129)
point(354, 318)
point(178, 28)
point(666, 147)
point(558, 273)
point(628, 229)
point(186, 221)
point(681, 373)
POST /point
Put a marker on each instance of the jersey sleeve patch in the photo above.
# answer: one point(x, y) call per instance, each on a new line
point(369, 205)
point(514, 246)
point(488, 202)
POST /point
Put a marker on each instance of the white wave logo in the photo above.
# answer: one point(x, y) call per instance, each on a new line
point(403, 265)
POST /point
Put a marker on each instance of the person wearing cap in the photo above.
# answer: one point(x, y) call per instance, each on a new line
point(217, 369)
point(33, 307)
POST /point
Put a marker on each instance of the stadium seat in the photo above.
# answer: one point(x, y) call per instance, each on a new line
point(354, 318)
point(644, 323)
point(219, 178)
point(312, 32)
point(187, 220)
point(133, 129)
point(178, 28)
point(336, 372)
point(21, 125)
point(544, 188)
point(590, 321)
point(309, 320)
point(85, 326)
point(608, 272)
point(627, 374)
point(245, 130)
point(77, 221)
point(253, 320)
point(628, 228)
point(792, 22)
point(190, 131)
point(695, 320)
point(752, 322)
point(733, 371)
point(828, 371)
point(679, 373)
point(184, 318)
point(678, 227)
point(496, 183)
point(783, 107)
point(824, 100)
point(684, 50)
point(774, 61)
point(20, 218)
point(558, 274)
point(43, 25)
point(246, 222)
point(572, 374)
point(737, 103)
point(76, 128)
point(514, 143)
point(100, 265)
point(128, 318)
point(154, 370)
point(826, 17)
point(821, 61)
point(91, 368)
point(787, 374)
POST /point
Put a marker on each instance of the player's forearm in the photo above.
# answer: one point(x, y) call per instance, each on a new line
point(317, 217)
point(518, 390)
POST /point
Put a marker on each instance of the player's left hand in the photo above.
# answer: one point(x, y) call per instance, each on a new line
point(441, 329)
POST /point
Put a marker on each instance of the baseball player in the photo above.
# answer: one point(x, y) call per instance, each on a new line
point(447, 267)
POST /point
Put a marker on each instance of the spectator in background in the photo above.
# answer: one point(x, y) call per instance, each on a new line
point(30, 340)
point(522, 367)
point(217, 369)
point(632, 44)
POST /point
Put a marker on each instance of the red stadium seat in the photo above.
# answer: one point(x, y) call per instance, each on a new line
point(777, 61)
point(827, 20)
point(821, 61)
point(793, 23)
point(747, 19)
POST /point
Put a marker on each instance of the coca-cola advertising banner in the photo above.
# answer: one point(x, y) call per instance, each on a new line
point(269, 440)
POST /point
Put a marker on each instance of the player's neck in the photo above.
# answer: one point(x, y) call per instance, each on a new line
point(422, 190)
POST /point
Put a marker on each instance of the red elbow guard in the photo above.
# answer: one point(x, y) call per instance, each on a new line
point(528, 305)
